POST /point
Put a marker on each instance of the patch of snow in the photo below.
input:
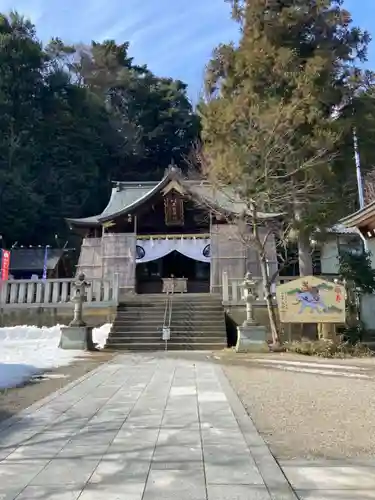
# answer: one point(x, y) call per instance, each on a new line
point(100, 334)
point(26, 351)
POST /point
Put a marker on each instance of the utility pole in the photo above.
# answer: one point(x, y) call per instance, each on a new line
point(361, 196)
point(357, 160)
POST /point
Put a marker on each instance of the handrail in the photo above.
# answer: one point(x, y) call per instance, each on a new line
point(166, 328)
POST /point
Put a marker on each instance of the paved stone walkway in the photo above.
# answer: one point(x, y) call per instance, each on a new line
point(139, 428)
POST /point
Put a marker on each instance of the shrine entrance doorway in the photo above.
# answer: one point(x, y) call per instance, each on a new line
point(177, 262)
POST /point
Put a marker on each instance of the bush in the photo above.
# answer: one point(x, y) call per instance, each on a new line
point(328, 349)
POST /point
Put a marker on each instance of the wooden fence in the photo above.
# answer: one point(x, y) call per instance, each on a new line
point(56, 292)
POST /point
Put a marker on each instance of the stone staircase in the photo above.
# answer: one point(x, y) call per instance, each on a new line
point(197, 323)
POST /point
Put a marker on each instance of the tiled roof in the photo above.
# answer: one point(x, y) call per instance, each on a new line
point(127, 196)
point(32, 259)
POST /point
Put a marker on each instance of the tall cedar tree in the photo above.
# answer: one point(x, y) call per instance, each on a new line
point(252, 145)
point(280, 42)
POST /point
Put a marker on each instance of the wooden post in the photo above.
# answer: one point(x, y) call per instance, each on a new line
point(13, 292)
point(30, 293)
point(55, 291)
point(3, 292)
point(64, 291)
point(115, 285)
point(210, 231)
point(21, 293)
point(225, 287)
point(47, 291)
point(39, 290)
point(135, 261)
point(235, 297)
point(102, 251)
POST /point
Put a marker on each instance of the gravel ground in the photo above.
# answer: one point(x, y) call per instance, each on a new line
point(307, 416)
point(18, 398)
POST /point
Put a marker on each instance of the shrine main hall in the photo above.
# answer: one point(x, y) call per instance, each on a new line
point(176, 228)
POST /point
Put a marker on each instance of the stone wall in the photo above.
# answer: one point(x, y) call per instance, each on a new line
point(119, 257)
point(90, 258)
point(51, 316)
point(114, 253)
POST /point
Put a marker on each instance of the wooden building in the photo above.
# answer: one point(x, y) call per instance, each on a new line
point(27, 263)
point(152, 231)
point(364, 222)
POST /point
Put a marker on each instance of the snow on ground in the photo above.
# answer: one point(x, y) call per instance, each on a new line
point(26, 351)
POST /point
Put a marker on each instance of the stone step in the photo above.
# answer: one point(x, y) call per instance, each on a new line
point(174, 326)
point(174, 333)
point(160, 346)
point(177, 297)
point(201, 314)
point(177, 318)
point(197, 322)
point(183, 320)
point(176, 307)
point(174, 339)
point(191, 297)
point(185, 311)
point(217, 325)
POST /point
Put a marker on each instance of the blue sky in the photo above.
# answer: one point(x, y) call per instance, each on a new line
point(173, 37)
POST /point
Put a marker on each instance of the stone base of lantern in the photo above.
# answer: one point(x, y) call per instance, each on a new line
point(77, 337)
point(251, 338)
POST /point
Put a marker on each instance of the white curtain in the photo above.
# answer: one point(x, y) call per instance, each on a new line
point(197, 249)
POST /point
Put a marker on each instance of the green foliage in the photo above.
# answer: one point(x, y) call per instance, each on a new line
point(328, 349)
point(301, 55)
point(357, 272)
point(356, 269)
point(353, 334)
point(73, 118)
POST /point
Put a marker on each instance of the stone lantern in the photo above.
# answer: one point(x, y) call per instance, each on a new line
point(77, 335)
point(78, 299)
point(251, 337)
point(249, 295)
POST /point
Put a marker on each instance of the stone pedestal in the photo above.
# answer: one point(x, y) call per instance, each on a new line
point(76, 337)
point(251, 338)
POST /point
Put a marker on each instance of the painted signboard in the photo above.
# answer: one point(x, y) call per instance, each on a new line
point(311, 299)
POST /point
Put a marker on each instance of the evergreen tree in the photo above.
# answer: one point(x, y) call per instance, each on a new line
point(154, 115)
point(21, 91)
point(73, 119)
point(289, 48)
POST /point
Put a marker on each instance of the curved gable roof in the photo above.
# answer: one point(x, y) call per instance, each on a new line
point(127, 196)
point(125, 199)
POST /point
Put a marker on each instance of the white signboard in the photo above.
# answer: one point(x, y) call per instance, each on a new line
point(166, 333)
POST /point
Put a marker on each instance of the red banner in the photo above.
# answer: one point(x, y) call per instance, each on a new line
point(5, 262)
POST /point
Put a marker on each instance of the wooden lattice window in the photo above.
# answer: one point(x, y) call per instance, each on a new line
point(173, 210)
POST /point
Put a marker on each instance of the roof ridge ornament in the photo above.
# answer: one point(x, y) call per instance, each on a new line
point(173, 169)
